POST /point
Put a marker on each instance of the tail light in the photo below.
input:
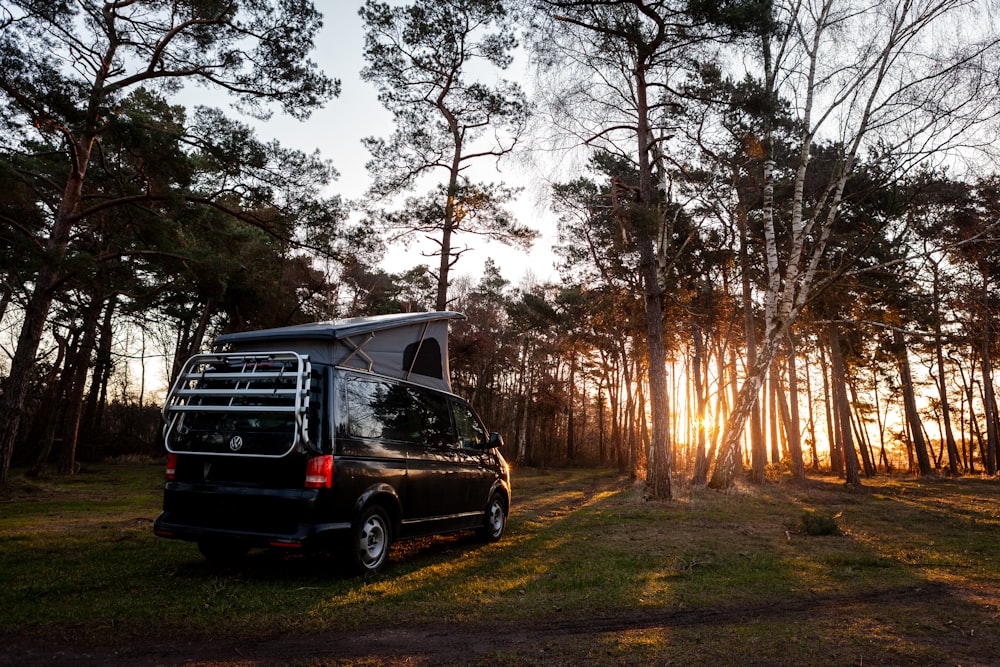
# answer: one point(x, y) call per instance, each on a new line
point(319, 472)
point(171, 471)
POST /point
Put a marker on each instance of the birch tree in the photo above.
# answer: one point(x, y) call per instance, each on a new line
point(912, 77)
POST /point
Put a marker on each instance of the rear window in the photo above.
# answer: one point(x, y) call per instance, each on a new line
point(249, 405)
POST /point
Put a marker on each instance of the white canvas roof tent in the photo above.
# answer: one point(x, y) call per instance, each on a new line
point(409, 346)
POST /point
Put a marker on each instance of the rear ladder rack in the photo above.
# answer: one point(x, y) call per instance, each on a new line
point(272, 382)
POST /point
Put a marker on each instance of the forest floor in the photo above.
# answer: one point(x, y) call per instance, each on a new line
point(552, 642)
point(590, 573)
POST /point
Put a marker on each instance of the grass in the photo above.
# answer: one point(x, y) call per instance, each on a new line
point(904, 572)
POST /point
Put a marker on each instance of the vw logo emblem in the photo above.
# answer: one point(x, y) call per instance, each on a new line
point(236, 443)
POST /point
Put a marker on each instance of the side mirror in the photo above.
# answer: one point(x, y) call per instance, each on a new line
point(496, 440)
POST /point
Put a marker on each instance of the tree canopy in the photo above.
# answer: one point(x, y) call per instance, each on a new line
point(90, 132)
point(773, 255)
point(424, 58)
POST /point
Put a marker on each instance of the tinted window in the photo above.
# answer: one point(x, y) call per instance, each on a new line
point(471, 433)
point(390, 411)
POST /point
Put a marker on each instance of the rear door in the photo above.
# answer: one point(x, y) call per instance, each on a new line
point(241, 405)
point(372, 444)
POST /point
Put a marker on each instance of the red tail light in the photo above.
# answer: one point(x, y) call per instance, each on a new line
point(171, 471)
point(319, 472)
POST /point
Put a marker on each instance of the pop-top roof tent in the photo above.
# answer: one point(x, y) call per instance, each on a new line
point(409, 346)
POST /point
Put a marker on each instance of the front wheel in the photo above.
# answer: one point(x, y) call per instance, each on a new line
point(371, 538)
point(496, 519)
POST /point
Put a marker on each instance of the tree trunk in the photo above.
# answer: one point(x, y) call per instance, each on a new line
point(792, 425)
point(12, 402)
point(75, 386)
point(648, 220)
point(989, 410)
point(867, 460)
point(631, 430)
point(910, 404)
point(774, 426)
point(615, 408)
point(843, 411)
point(811, 425)
point(444, 266)
point(43, 431)
point(954, 459)
point(450, 223)
point(881, 424)
point(836, 454)
point(701, 462)
point(640, 427)
point(602, 452)
point(970, 419)
point(757, 445)
point(103, 365)
point(571, 414)
point(746, 399)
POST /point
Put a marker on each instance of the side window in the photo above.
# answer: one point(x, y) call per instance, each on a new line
point(314, 421)
point(471, 433)
point(362, 398)
point(390, 411)
point(430, 411)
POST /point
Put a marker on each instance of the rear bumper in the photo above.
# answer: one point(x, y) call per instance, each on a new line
point(258, 517)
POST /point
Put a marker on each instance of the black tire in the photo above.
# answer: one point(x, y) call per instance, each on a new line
point(495, 519)
point(371, 538)
point(223, 552)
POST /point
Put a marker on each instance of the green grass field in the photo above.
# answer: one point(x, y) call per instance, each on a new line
point(906, 572)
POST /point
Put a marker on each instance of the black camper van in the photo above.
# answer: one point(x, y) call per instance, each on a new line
point(341, 435)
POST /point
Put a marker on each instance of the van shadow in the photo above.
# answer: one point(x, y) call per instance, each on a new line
point(274, 565)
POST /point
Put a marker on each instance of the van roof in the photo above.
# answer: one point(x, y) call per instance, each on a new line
point(339, 329)
point(409, 346)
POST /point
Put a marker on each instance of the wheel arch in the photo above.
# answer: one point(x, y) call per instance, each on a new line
point(503, 489)
point(385, 496)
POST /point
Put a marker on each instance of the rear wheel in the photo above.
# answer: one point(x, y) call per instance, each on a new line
point(222, 552)
point(371, 538)
point(496, 519)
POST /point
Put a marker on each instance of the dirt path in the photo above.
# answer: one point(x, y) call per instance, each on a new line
point(453, 644)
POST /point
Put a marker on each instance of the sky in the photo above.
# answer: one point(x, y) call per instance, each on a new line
point(337, 130)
